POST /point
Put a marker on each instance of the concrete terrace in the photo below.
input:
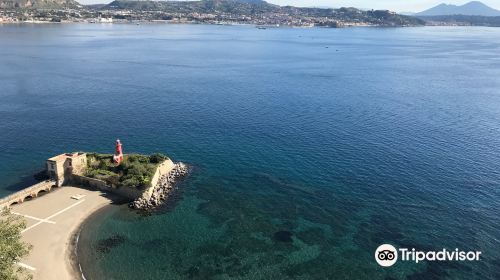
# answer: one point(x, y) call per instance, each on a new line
point(51, 222)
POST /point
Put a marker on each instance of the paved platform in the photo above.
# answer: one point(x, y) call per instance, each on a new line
point(51, 221)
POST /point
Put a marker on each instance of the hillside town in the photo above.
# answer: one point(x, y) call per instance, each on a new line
point(211, 12)
point(135, 16)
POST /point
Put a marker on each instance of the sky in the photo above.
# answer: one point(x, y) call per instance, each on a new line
point(393, 5)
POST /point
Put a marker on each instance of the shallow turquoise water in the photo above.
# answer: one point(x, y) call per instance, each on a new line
point(346, 138)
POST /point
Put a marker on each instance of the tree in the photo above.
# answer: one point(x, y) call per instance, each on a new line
point(12, 248)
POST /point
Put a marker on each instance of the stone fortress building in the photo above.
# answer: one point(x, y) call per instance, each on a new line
point(70, 168)
point(60, 170)
point(61, 167)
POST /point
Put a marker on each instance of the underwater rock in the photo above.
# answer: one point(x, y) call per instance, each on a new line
point(105, 245)
point(283, 236)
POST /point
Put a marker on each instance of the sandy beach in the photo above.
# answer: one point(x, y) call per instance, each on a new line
point(52, 223)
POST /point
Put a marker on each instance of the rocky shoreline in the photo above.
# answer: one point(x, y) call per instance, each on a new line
point(162, 190)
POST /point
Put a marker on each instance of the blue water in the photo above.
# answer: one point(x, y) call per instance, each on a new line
point(345, 138)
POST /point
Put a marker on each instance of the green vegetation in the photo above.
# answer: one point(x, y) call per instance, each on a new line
point(135, 171)
point(12, 249)
point(267, 13)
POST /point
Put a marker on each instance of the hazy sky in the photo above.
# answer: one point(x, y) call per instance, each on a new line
point(393, 5)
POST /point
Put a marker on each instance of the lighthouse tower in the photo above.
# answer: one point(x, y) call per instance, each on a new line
point(118, 156)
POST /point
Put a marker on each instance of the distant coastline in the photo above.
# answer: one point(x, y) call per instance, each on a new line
point(166, 22)
point(233, 12)
point(203, 11)
point(445, 20)
point(144, 21)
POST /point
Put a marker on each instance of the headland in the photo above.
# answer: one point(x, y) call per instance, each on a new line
point(77, 185)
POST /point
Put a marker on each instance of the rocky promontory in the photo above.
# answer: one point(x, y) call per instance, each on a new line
point(162, 190)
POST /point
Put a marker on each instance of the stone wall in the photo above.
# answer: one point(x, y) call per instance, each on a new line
point(130, 193)
point(88, 182)
point(59, 173)
point(162, 169)
point(79, 163)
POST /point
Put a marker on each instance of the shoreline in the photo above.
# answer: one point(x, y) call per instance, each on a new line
point(167, 186)
point(73, 258)
point(55, 216)
point(165, 22)
point(160, 22)
point(55, 238)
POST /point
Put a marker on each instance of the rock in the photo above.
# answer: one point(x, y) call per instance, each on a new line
point(162, 190)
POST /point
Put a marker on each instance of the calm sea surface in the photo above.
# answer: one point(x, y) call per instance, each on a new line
point(310, 147)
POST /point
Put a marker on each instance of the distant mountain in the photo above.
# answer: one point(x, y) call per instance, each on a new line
point(474, 8)
point(38, 4)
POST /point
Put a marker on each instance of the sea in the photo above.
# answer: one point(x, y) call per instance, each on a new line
point(308, 147)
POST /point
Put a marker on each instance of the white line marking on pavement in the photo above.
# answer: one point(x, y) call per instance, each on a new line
point(52, 216)
point(26, 266)
point(34, 218)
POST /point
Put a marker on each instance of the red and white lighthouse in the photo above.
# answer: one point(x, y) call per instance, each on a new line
point(118, 157)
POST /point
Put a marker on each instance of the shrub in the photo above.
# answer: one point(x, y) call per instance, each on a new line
point(157, 158)
point(131, 182)
point(134, 171)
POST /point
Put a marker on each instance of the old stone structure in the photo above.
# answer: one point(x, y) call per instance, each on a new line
point(27, 193)
point(163, 169)
point(69, 168)
point(163, 188)
point(61, 167)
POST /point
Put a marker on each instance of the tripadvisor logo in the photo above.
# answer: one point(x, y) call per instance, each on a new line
point(387, 255)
